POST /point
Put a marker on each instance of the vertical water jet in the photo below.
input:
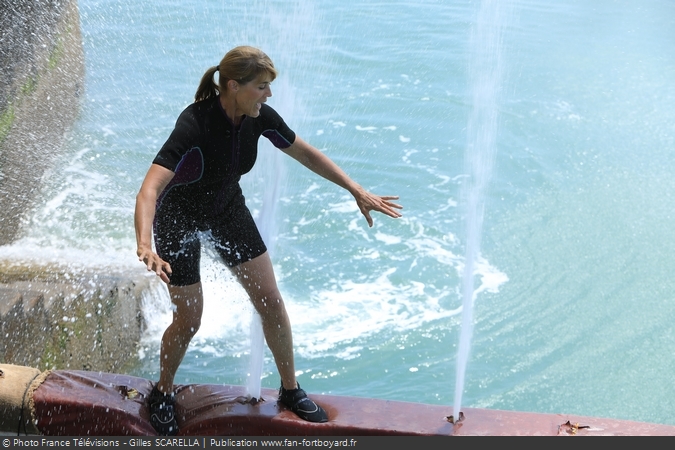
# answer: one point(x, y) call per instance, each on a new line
point(485, 74)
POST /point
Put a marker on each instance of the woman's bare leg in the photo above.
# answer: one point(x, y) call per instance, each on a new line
point(187, 316)
point(257, 278)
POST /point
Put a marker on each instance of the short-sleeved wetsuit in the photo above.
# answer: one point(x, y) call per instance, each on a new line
point(208, 155)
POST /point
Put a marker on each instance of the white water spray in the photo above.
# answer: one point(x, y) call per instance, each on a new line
point(485, 73)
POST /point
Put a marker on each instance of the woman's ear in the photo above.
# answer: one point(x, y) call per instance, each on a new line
point(232, 85)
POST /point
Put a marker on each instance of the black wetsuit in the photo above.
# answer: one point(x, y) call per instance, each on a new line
point(208, 155)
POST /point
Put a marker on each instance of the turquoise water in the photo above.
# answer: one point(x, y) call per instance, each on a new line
point(575, 281)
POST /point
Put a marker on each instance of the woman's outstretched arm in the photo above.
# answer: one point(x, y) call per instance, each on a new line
point(321, 164)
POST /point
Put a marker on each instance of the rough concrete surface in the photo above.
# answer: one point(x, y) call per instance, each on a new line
point(54, 316)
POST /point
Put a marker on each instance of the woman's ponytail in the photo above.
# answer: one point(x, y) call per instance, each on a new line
point(207, 87)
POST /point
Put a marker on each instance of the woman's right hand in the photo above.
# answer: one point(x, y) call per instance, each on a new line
point(154, 263)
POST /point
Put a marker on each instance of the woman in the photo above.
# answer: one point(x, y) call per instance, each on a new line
point(192, 187)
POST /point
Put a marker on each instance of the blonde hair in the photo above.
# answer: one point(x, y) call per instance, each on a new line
point(242, 64)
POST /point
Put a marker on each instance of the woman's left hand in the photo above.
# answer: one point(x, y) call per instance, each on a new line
point(370, 202)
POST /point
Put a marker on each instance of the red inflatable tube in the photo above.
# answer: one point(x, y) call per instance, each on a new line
point(78, 403)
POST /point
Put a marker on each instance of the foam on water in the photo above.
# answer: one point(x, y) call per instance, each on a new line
point(345, 311)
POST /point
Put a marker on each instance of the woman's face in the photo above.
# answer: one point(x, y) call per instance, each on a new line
point(252, 95)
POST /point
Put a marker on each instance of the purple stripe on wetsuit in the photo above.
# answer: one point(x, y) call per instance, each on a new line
point(276, 139)
point(189, 169)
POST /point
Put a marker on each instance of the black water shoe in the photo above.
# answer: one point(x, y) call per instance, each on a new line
point(163, 412)
point(300, 404)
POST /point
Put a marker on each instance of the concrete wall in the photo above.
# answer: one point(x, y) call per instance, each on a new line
point(63, 317)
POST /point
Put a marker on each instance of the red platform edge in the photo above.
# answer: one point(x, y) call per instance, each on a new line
point(79, 403)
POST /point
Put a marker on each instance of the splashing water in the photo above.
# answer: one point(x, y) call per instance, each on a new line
point(485, 75)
